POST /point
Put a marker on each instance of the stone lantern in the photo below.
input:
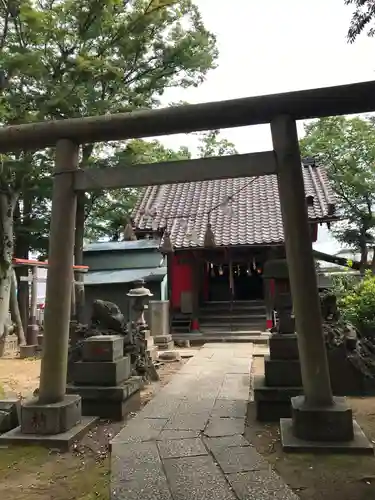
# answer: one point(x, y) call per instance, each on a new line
point(138, 296)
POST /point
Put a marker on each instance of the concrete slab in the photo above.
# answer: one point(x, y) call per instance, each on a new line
point(61, 441)
point(161, 407)
point(235, 386)
point(146, 488)
point(134, 461)
point(239, 459)
point(139, 430)
point(137, 472)
point(218, 427)
point(224, 442)
point(190, 406)
point(359, 445)
point(169, 434)
point(260, 485)
point(188, 422)
point(229, 408)
point(177, 448)
point(193, 478)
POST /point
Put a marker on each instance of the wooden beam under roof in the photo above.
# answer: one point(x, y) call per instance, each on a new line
point(172, 172)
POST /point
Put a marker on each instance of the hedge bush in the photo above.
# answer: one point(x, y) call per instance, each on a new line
point(356, 301)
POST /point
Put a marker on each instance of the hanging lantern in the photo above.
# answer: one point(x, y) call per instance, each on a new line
point(209, 237)
point(129, 233)
point(166, 246)
point(212, 271)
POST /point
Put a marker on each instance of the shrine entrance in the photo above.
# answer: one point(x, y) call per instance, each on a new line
point(236, 281)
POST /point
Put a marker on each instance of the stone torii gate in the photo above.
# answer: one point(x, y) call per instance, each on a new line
point(54, 412)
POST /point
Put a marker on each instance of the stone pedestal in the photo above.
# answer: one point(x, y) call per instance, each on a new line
point(103, 378)
point(159, 317)
point(164, 342)
point(32, 333)
point(54, 425)
point(28, 351)
point(10, 414)
point(55, 418)
point(151, 348)
point(282, 373)
point(323, 429)
point(40, 342)
point(281, 381)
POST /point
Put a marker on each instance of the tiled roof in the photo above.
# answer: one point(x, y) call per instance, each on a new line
point(107, 277)
point(112, 246)
point(254, 216)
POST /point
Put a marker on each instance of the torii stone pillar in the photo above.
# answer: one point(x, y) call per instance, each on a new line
point(59, 277)
point(316, 416)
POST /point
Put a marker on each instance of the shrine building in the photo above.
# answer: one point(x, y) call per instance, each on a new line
point(217, 236)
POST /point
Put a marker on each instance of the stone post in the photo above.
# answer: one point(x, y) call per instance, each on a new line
point(311, 346)
point(59, 278)
point(29, 350)
point(159, 317)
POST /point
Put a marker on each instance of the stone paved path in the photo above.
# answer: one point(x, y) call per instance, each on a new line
point(187, 443)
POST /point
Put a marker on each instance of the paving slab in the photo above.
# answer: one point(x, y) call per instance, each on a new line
point(177, 448)
point(235, 386)
point(239, 459)
point(193, 405)
point(229, 408)
point(188, 422)
point(224, 442)
point(147, 488)
point(260, 485)
point(197, 478)
point(161, 407)
point(139, 430)
point(138, 468)
point(217, 427)
point(169, 434)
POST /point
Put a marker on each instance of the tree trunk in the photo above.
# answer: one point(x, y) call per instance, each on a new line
point(78, 258)
point(364, 250)
point(373, 261)
point(15, 310)
point(22, 249)
point(7, 205)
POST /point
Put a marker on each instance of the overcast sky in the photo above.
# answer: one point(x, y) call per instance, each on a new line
point(270, 46)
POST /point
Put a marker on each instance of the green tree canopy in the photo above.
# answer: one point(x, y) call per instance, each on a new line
point(65, 58)
point(362, 18)
point(71, 58)
point(346, 147)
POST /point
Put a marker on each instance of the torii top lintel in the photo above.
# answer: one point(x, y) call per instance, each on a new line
point(303, 104)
